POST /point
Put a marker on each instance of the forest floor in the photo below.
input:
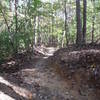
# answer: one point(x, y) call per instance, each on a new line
point(37, 80)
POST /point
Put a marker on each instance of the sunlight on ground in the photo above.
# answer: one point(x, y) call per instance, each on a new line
point(2, 80)
point(47, 51)
point(11, 63)
point(4, 96)
point(19, 90)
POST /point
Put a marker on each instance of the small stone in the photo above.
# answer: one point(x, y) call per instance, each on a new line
point(67, 93)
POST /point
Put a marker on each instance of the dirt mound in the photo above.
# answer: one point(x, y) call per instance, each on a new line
point(80, 68)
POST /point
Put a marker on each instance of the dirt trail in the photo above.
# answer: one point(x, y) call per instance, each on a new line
point(39, 81)
point(36, 81)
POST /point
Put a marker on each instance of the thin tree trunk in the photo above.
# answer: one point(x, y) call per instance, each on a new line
point(16, 25)
point(10, 5)
point(62, 40)
point(39, 37)
point(16, 15)
point(34, 31)
point(66, 23)
point(5, 20)
point(93, 22)
point(52, 19)
point(8, 28)
point(84, 20)
point(79, 36)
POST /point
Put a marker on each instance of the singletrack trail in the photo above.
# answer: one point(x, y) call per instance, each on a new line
point(38, 81)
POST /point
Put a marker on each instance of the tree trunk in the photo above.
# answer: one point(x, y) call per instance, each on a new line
point(16, 26)
point(39, 37)
point(66, 23)
point(52, 19)
point(16, 15)
point(93, 21)
point(10, 5)
point(79, 36)
point(84, 20)
point(62, 40)
point(34, 31)
point(92, 35)
point(8, 28)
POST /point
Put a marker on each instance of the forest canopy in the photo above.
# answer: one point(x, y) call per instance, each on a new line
point(27, 23)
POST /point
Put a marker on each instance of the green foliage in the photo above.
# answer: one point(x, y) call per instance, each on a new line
point(49, 23)
point(5, 47)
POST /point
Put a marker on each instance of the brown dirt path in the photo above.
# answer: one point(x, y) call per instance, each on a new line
point(39, 81)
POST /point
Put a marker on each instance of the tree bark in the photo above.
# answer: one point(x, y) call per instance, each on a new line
point(34, 31)
point(66, 23)
point(52, 30)
point(79, 36)
point(39, 37)
point(16, 25)
point(16, 15)
point(84, 20)
point(92, 38)
point(93, 21)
